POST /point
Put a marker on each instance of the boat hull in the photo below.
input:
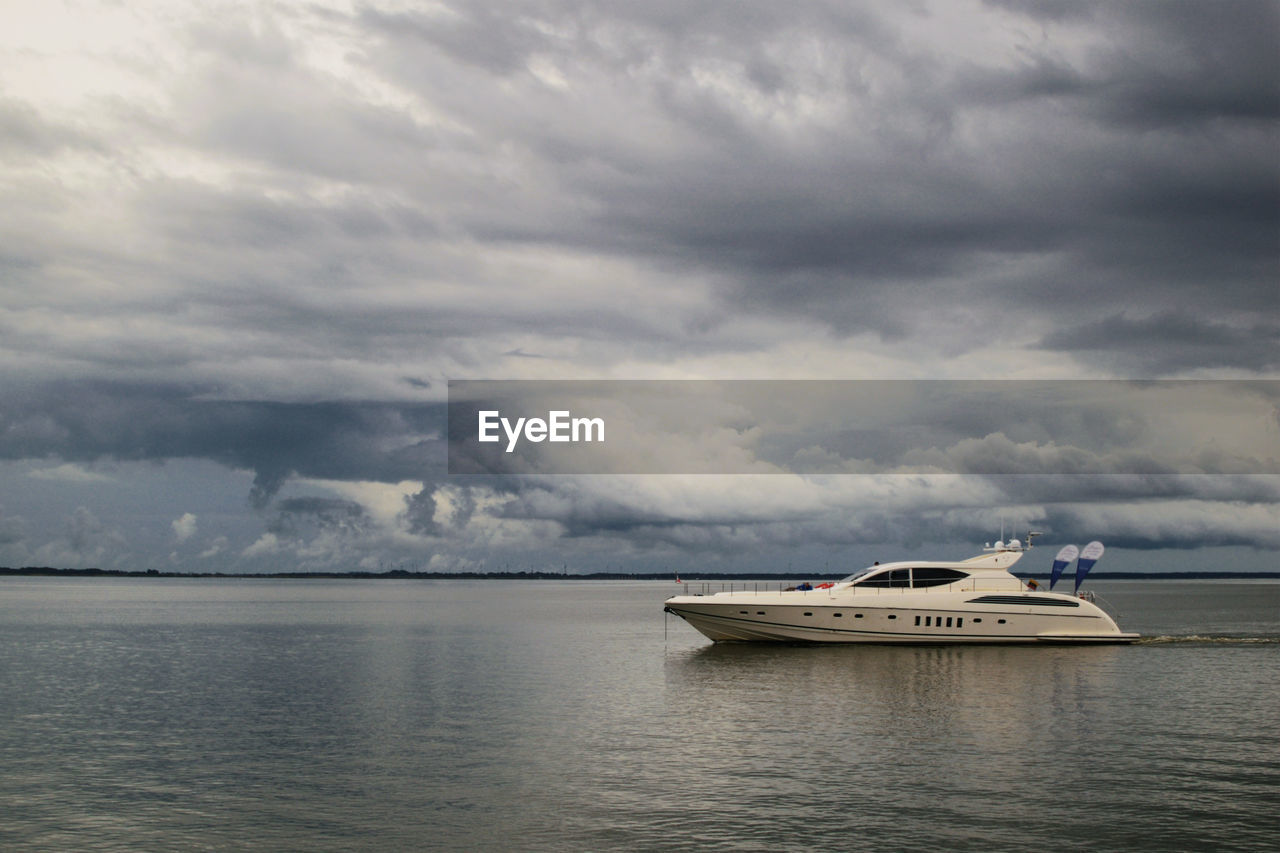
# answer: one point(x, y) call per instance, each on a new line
point(950, 619)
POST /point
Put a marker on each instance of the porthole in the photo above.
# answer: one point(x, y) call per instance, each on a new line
point(808, 613)
point(893, 616)
point(977, 619)
point(759, 612)
point(857, 616)
point(744, 612)
point(837, 615)
point(1000, 621)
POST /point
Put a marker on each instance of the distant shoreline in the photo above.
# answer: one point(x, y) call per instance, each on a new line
point(401, 574)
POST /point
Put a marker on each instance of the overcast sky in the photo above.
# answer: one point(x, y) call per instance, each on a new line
point(243, 248)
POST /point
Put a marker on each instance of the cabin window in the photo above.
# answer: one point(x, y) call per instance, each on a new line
point(917, 620)
point(759, 612)
point(917, 577)
point(808, 613)
point(930, 576)
point(1000, 621)
point(959, 621)
point(948, 621)
point(837, 615)
point(893, 616)
point(977, 619)
point(857, 616)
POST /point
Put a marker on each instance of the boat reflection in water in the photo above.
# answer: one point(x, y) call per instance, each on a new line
point(970, 601)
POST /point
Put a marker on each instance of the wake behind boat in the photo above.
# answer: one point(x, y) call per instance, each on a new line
point(970, 601)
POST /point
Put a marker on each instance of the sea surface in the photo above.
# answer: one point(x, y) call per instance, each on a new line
point(336, 715)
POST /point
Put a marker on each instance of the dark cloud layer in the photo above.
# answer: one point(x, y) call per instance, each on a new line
point(344, 517)
point(1132, 174)
point(88, 422)
point(1169, 342)
point(845, 167)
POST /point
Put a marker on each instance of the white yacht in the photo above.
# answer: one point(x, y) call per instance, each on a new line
point(971, 601)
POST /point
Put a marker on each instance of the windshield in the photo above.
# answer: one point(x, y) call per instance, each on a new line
point(860, 573)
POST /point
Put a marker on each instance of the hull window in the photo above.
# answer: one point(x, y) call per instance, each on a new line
point(1024, 599)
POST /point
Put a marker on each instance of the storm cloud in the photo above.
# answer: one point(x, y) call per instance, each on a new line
point(259, 239)
point(87, 422)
